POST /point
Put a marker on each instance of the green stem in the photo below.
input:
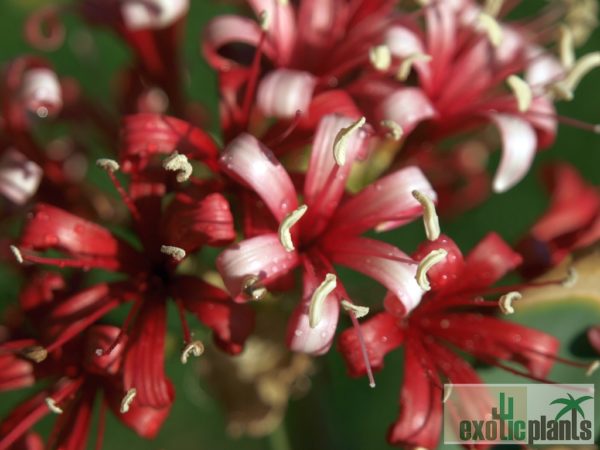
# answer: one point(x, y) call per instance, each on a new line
point(278, 439)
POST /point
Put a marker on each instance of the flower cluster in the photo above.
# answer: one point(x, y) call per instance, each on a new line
point(339, 121)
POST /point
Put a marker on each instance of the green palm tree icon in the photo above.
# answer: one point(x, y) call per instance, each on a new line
point(571, 404)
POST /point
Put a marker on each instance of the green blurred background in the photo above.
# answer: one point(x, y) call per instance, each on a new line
point(337, 412)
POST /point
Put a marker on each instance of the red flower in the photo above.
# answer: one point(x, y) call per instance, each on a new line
point(326, 230)
point(313, 47)
point(76, 377)
point(571, 222)
point(452, 316)
point(195, 216)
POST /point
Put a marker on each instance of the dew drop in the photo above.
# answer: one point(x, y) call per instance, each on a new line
point(51, 239)
point(444, 323)
point(298, 333)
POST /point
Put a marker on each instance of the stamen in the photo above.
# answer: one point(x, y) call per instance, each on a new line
point(448, 388)
point(179, 163)
point(566, 47)
point(505, 302)
point(571, 278)
point(592, 368)
point(408, 62)
point(395, 130)
point(315, 310)
point(17, 253)
point(380, 57)
point(491, 27)
point(285, 237)
point(126, 402)
point(341, 141)
point(582, 67)
point(174, 252)
point(253, 288)
point(358, 311)
point(434, 257)
point(522, 91)
point(110, 165)
point(430, 217)
point(361, 342)
point(35, 353)
point(195, 348)
point(264, 19)
point(493, 7)
point(52, 406)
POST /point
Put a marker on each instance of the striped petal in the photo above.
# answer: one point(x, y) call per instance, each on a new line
point(283, 92)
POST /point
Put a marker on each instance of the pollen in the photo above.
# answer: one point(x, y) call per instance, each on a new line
point(505, 302)
point(340, 142)
point(195, 348)
point(380, 57)
point(592, 368)
point(434, 257)
point(357, 310)
point(493, 7)
point(17, 253)
point(253, 288)
point(584, 65)
point(127, 399)
point(566, 47)
point(285, 237)
point(430, 217)
point(317, 301)
point(35, 353)
point(110, 165)
point(395, 130)
point(179, 163)
point(264, 19)
point(407, 64)
point(571, 278)
point(491, 27)
point(174, 252)
point(522, 92)
point(52, 406)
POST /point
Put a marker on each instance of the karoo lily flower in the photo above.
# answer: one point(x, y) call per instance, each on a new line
point(76, 377)
point(313, 47)
point(571, 222)
point(453, 315)
point(197, 215)
point(325, 230)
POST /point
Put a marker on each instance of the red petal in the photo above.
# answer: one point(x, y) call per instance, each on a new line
point(72, 427)
point(15, 372)
point(407, 107)
point(144, 361)
point(231, 322)
point(39, 290)
point(100, 337)
point(283, 92)
point(49, 227)
point(191, 222)
point(147, 134)
point(329, 102)
point(381, 333)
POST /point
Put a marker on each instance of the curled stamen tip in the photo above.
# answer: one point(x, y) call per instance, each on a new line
point(195, 348)
point(596, 128)
point(285, 236)
point(407, 64)
point(522, 92)
point(395, 130)
point(592, 368)
point(447, 392)
point(52, 406)
point(505, 302)
point(127, 399)
point(372, 384)
point(340, 141)
point(492, 28)
point(357, 310)
point(380, 57)
point(264, 19)
point(430, 217)
point(571, 278)
point(434, 257)
point(107, 164)
point(35, 353)
point(17, 253)
point(174, 252)
point(315, 309)
point(253, 289)
point(179, 163)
